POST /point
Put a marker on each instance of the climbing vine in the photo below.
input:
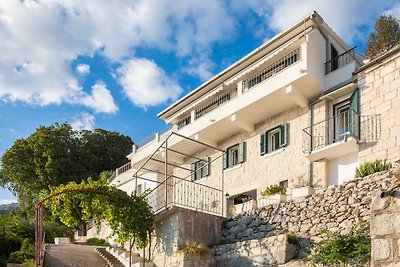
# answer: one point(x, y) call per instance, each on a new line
point(129, 217)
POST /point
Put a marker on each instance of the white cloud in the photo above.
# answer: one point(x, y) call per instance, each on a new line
point(83, 69)
point(83, 121)
point(394, 11)
point(100, 100)
point(39, 40)
point(145, 84)
point(201, 67)
point(346, 18)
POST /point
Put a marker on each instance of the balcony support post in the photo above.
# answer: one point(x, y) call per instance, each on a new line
point(245, 125)
point(201, 138)
point(298, 97)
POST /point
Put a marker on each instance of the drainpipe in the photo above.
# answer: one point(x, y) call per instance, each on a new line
point(310, 167)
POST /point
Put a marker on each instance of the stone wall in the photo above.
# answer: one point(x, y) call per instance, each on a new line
point(337, 208)
point(385, 229)
point(379, 83)
point(181, 226)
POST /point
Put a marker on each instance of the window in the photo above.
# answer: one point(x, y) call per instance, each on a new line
point(274, 139)
point(346, 121)
point(234, 155)
point(200, 169)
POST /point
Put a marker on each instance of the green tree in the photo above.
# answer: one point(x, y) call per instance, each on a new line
point(129, 217)
point(57, 154)
point(386, 36)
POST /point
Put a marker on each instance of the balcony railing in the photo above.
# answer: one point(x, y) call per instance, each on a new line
point(271, 70)
point(340, 61)
point(184, 121)
point(123, 168)
point(161, 135)
point(216, 102)
point(178, 192)
point(365, 128)
point(335, 129)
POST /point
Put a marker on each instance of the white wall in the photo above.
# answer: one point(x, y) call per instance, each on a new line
point(342, 169)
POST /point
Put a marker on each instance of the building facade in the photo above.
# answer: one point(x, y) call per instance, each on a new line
point(300, 111)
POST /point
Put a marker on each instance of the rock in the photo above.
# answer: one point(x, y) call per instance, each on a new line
point(245, 220)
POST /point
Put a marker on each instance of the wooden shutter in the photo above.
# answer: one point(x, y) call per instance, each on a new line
point(284, 134)
point(263, 143)
point(206, 169)
point(242, 152)
point(353, 116)
point(225, 160)
point(193, 174)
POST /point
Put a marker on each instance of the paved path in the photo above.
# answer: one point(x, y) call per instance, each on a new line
point(72, 256)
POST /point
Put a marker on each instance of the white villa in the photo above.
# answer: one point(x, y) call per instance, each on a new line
point(300, 111)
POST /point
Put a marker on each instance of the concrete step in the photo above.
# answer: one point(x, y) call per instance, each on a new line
point(110, 259)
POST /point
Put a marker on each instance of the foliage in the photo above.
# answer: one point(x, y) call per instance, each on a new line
point(129, 217)
point(246, 199)
point(273, 189)
point(338, 249)
point(26, 252)
point(57, 154)
point(386, 36)
point(193, 247)
point(16, 228)
point(372, 167)
point(94, 241)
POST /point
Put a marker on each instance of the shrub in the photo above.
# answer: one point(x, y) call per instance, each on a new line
point(26, 253)
point(192, 247)
point(338, 249)
point(372, 167)
point(273, 189)
point(293, 240)
point(246, 199)
point(94, 241)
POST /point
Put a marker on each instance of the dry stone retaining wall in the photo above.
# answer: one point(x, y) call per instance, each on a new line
point(337, 208)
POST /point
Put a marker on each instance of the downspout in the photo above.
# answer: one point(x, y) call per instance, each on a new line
point(310, 167)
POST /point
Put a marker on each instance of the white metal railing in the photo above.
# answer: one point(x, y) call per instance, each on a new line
point(272, 69)
point(216, 102)
point(148, 139)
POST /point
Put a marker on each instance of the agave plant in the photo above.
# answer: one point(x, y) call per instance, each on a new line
point(372, 167)
point(273, 189)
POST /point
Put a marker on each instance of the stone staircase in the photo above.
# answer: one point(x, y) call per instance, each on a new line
point(123, 258)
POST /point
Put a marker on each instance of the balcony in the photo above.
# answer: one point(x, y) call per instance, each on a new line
point(340, 68)
point(339, 135)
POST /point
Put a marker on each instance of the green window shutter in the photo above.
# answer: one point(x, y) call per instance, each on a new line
point(193, 174)
point(263, 143)
point(284, 134)
point(242, 152)
point(354, 110)
point(225, 160)
point(206, 169)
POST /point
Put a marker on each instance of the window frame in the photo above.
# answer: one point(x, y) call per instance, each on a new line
point(268, 139)
point(238, 151)
point(201, 169)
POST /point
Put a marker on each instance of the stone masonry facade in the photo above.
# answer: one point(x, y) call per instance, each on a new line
point(379, 83)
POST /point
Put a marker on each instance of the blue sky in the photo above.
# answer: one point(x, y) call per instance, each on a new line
point(116, 64)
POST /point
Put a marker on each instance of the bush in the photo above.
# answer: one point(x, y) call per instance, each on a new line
point(25, 254)
point(94, 241)
point(191, 247)
point(372, 167)
point(339, 249)
point(273, 189)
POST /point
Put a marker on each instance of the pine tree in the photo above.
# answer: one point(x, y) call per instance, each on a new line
point(386, 36)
